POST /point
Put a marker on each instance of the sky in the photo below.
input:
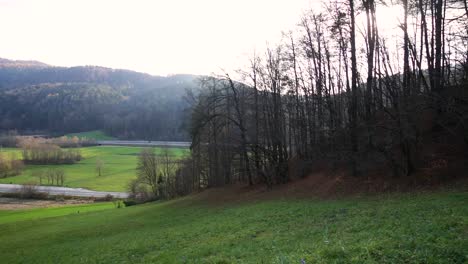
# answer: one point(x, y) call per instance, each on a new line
point(159, 37)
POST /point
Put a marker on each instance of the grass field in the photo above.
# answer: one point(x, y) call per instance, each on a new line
point(405, 228)
point(96, 134)
point(14, 216)
point(119, 168)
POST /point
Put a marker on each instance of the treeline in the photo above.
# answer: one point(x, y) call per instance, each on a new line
point(50, 176)
point(125, 104)
point(69, 142)
point(12, 139)
point(38, 151)
point(332, 94)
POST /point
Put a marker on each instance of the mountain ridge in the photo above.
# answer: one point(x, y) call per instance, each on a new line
point(7, 63)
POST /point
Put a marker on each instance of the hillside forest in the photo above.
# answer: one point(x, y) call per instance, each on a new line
point(341, 94)
point(37, 98)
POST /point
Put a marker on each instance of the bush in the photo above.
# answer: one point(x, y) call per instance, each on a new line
point(140, 191)
point(130, 203)
point(29, 191)
point(10, 166)
point(118, 204)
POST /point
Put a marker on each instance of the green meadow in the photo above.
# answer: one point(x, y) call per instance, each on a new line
point(14, 216)
point(119, 168)
point(397, 228)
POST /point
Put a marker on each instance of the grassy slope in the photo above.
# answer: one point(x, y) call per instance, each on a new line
point(12, 216)
point(96, 134)
point(421, 228)
point(119, 168)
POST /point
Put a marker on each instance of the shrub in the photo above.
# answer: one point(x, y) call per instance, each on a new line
point(10, 166)
point(130, 202)
point(118, 204)
point(29, 191)
point(140, 191)
point(109, 197)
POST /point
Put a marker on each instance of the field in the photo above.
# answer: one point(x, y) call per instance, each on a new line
point(96, 134)
point(397, 228)
point(14, 216)
point(119, 168)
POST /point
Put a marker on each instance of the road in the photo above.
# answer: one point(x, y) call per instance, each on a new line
point(174, 144)
point(54, 190)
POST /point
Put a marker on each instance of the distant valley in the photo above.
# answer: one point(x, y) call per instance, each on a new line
point(36, 97)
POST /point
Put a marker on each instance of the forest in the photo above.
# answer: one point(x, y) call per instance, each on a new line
point(338, 93)
point(38, 98)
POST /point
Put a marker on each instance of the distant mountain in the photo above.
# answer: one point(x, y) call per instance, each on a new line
point(5, 63)
point(35, 96)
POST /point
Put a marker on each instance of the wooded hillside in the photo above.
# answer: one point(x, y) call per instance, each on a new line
point(126, 104)
point(338, 94)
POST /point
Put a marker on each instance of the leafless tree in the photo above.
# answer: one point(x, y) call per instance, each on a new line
point(99, 166)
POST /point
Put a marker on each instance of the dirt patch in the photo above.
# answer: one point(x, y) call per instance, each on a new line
point(18, 204)
point(327, 184)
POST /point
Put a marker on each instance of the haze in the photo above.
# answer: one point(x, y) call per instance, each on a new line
point(158, 37)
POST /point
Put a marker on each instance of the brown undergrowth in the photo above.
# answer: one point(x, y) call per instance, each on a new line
point(327, 183)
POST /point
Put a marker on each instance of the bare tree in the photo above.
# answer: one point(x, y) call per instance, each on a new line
point(304, 101)
point(39, 174)
point(166, 179)
point(99, 166)
point(147, 169)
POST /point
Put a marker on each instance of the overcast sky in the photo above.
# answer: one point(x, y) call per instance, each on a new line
point(154, 36)
point(158, 37)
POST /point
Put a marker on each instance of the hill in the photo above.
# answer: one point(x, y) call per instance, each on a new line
point(397, 228)
point(38, 97)
point(5, 63)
